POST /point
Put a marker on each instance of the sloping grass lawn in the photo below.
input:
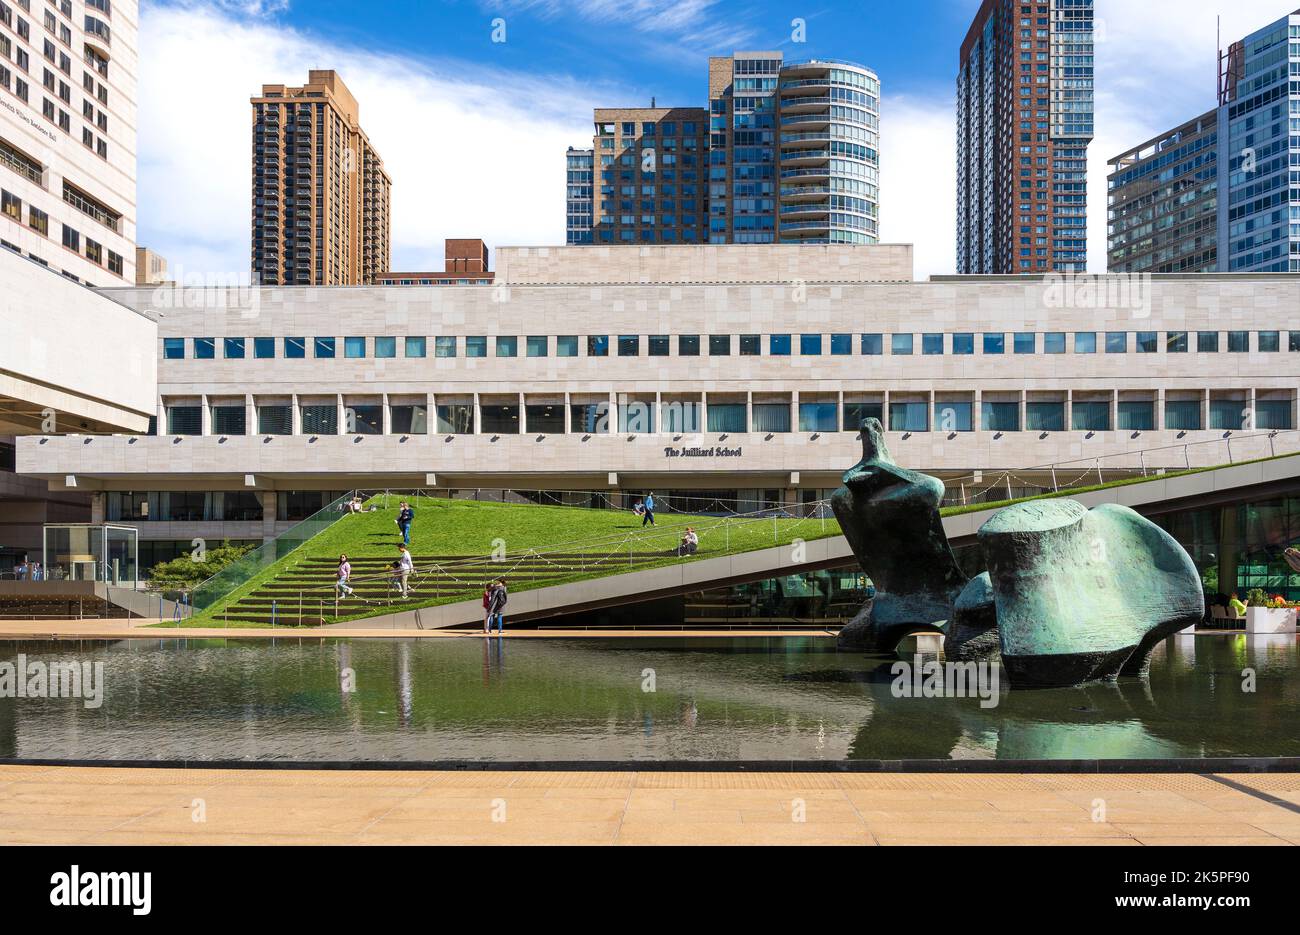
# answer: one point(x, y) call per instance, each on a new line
point(471, 528)
point(446, 528)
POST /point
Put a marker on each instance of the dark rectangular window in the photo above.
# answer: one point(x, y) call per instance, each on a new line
point(1175, 342)
point(229, 420)
point(173, 348)
point(295, 348)
point(408, 420)
point(598, 345)
point(810, 345)
point(932, 344)
point(1116, 342)
point(841, 345)
point(659, 345)
point(1026, 342)
point(263, 348)
point(234, 348)
point(1054, 342)
point(873, 345)
point(963, 343)
point(629, 345)
point(688, 345)
point(1207, 342)
point(995, 343)
point(363, 420)
point(750, 345)
point(1238, 342)
point(720, 345)
point(1148, 342)
point(778, 345)
point(205, 348)
point(323, 348)
point(275, 420)
point(320, 420)
point(184, 420)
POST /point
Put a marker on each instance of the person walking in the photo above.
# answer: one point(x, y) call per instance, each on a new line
point(649, 515)
point(341, 577)
point(403, 570)
point(21, 570)
point(497, 604)
point(487, 608)
point(405, 516)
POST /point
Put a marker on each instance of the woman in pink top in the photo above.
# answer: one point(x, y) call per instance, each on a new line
point(344, 573)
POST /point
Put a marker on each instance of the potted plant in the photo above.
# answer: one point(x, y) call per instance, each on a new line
point(1268, 614)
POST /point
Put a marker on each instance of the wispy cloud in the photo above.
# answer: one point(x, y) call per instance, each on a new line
point(668, 27)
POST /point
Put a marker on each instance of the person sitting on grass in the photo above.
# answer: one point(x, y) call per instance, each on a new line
point(690, 542)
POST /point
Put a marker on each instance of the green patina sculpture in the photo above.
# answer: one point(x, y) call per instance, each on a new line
point(1071, 595)
point(890, 516)
point(1083, 595)
point(973, 633)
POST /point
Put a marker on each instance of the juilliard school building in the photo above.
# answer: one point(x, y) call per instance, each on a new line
point(718, 377)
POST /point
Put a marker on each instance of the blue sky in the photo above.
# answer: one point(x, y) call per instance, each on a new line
point(657, 47)
point(474, 131)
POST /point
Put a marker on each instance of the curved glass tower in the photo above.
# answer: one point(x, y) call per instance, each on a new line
point(829, 145)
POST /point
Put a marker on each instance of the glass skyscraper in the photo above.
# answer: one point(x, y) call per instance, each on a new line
point(1259, 168)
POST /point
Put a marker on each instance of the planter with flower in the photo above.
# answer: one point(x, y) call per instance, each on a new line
point(1269, 613)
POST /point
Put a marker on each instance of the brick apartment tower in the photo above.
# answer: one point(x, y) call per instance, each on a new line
point(1024, 121)
point(320, 192)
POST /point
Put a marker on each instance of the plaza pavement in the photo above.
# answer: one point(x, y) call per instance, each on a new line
point(102, 805)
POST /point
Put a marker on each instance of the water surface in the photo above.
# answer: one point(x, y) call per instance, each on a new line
point(591, 699)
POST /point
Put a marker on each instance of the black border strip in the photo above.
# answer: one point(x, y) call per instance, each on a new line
point(967, 767)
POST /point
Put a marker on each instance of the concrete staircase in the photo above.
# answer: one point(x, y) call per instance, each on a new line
point(304, 593)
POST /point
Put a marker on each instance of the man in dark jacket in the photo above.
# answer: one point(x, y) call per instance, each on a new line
point(405, 516)
point(497, 598)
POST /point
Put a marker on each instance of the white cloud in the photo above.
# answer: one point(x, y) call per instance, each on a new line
point(467, 160)
point(918, 180)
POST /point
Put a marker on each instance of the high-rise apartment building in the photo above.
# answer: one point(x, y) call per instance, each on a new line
point(578, 213)
point(650, 165)
point(1163, 202)
point(67, 136)
point(320, 192)
point(786, 152)
point(1024, 121)
point(1259, 130)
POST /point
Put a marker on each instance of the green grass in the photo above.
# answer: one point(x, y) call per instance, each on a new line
point(1122, 482)
point(465, 527)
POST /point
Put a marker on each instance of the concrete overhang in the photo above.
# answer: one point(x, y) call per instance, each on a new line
point(71, 359)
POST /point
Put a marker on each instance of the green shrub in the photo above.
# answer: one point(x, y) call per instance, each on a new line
point(185, 572)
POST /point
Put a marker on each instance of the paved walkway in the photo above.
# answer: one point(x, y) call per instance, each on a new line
point(60, 804)
point(143, 629)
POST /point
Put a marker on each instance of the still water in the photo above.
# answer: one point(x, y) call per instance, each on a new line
point(645, 699)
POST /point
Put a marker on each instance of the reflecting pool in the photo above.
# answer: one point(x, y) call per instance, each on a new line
point(644, 699)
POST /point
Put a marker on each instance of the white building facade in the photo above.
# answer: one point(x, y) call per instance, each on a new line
point(68, 123)
point(737, 373)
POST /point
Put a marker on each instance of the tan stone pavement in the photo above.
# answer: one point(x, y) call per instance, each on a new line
point(80, 805)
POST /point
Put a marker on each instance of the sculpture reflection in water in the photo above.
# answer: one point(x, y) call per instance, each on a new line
point(1071, 595)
